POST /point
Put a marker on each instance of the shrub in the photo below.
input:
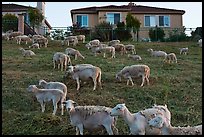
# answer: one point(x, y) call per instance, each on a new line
point(9, 22)
point(156, 34)
point(121, 32)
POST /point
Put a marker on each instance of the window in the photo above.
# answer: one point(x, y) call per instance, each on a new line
point(82, 20)
point(153, 20)
point(113, 18)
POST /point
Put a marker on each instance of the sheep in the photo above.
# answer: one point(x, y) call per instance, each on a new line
point(27, 53)
point(46, 95)
point(113, 42)
point(41, 41)
point(14, 34)
point(134, 57)
point(183, 51)
point(73, 52)
point(81, 38)
point(35, 37)
point(91, 118)
point(22, 38)
point(110, 49)
point(167, 129)
point(85, 72)
point(35, 45)
point(72, 39)
point(62, 59)
point(120, 48)
point(132, 71)
point(200, 42)
point(131, 48)
point(171, 57)
point(138, 122)
point(54, 85)
point(94, 42)
point(157, 53)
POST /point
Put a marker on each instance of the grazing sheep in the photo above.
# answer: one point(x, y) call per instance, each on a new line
point(171, 57)
point(113, 42)
point(35, 37)
point(94, 42)
point(183, 51)
point(62, 59)
point(71, 39)
point(13, 34)
point(200, 43)
point(157, 53)
point(41, 41)
point(74, 52)
point(160, 122)
point(91, 118)
point(27, 53)
point(22, 38)
point(130, 48)
point(35, 45)
point(53, 85)
point(134, 57)
point(81, 38)
point(120, 48)
point(85, 72)
point(132, 71)
point(46, 95)
point(137, 122)
point(109, 49)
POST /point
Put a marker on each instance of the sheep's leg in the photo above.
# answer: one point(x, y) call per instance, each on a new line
point(62, 108)
point(26, 42)
point(55, 108)
point(143, 80)
point(127, 82)
point(104, 54)
point(77, 131)
point(80, 126)
point(78, 84)
point(42, 106)
point(147, 80)
point(108, 129)
point(95, 83)
point(58, 66)
point(99, 80)
point(75, 56)
point(54, 64)
point(61, 66)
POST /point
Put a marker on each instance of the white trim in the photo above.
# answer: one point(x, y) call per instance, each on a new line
point(157, 20)
point(82, 19)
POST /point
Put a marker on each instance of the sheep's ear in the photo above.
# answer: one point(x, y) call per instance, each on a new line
point(155, 105)
point(123, 104)
point(75, 104)
point(165, 105)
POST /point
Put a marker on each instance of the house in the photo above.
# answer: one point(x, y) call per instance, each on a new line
point(23, 17)
point(149, 17)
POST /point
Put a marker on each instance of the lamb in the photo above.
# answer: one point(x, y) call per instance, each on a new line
point(41, 41)
point(167, 129)
point(53, 85)
point(71, 39)
point(134, 57)
point(200, 42)
point(46, 95)
point(84, 73)
point(27, 53)
point(131, 48)
point(138, 122)
point(14, 34)
point(35, 45)
point(157, 53)
point(35, 37)
point(91, 118)
point(132, 71)
point(120, 48)
point(94, 42)
point(183, 50)
point(110, 49)
point(81, 38)
point(62, 59)
point(113, 42)
point(22, 38)
point(171, 57)
point(74, 52)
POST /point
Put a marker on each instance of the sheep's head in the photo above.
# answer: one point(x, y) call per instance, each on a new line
point(118, 110)
point(150, 50)
point(156, 121)
point(31, 88)
point(42, 82)
point(118, 76)
point(69, 104)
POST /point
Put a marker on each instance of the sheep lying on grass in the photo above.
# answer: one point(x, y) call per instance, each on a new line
point(91, 118)
point(138, 122)
point(35, 45)
point(134, 57)
point(85, 72)
point(73, 52)
point(62, 60)
point(27, 53)
point(46, 95)
point(160, 122)
point(132, 71)
point(171, 57)
point(183, 51)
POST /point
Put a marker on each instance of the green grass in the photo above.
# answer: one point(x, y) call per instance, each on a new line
point(177, 85)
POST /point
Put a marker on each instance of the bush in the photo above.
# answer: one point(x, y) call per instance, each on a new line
point(9, 22)
point(156, 34)
point(177, 36)
point(121, 32)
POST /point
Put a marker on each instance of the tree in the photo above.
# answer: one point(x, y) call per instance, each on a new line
point(156, 34)
point(121, 32)
point(9, 22)
point(35, 17)
point(197, 34)
point(133, 23)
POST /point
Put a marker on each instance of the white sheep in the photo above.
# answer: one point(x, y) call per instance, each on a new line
point(81, 38)
point(200, 42)
point(138, 122)
point(132, 71)
point(157, 53)
point(22, 38)
point(183, 51)
point(35, 37)
point(46, 95)
point(91, 118)
point(134, 57)
point(171, 57)
point(13, 34)
point(94, 42)
point(42, 41)
point(160, 122)
point(61, 59)
point(27, 53)
point(120, 47)
point(108, 49)
point(74, 52)
point(70, 39)
point(35, 45)
point(85, 72)
point(53, 85)
point(113, 42)
point(131, 48)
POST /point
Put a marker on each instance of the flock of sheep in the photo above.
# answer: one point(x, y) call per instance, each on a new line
point(151, 121)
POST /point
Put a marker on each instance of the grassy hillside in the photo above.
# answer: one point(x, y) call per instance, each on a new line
point(177, 85)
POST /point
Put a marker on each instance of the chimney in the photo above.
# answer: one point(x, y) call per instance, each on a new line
point(131, 4)
point(41, 7)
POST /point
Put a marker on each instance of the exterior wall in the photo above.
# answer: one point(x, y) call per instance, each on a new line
point(92, 19)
